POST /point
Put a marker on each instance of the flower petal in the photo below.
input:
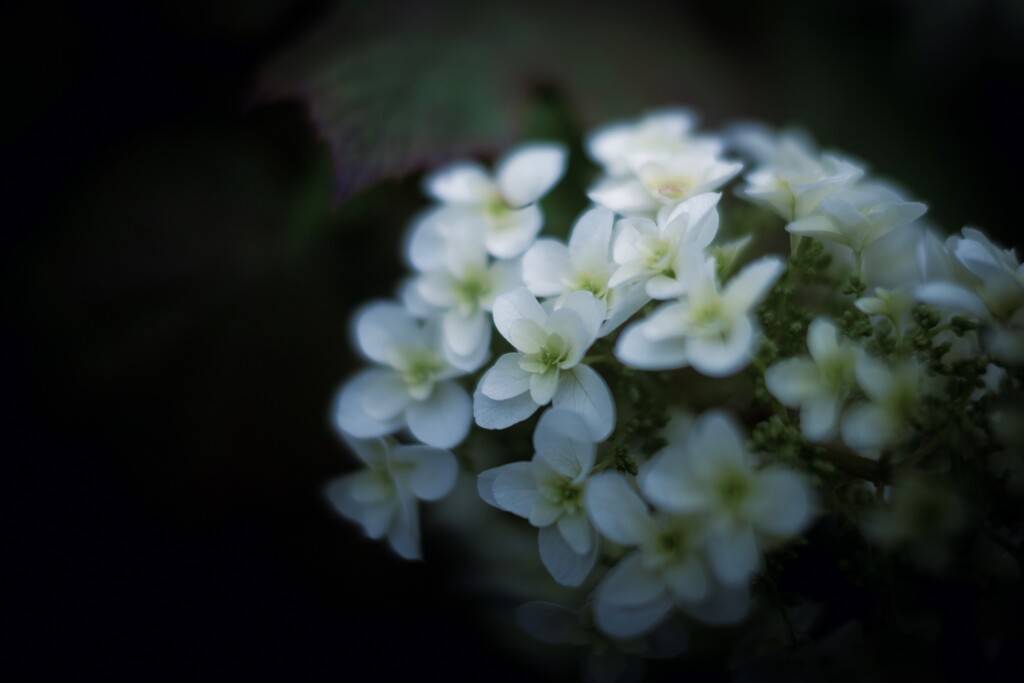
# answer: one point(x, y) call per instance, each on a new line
point(636, 350)
point(543, 386)
point(514, 488)
point(460, 183)
point(506, 379)
point(630, 583)
point(617, 511)
point(465, 333)
point(432, 473)
point(819, 417)
point(716, 357)
point(749, 286)
point(545, 266)
point(590, 311)
point(562, 441)
point(493, 414)
point(626, 622)
point(687, 580)
point(591, 238)
point(349, 413)
point(515, 305)
point(382, 324)
point(443, 419)
point(514, 232)
point(529, 171)
point(623, 196)
point(567, 567)
point(793, 381)
point(584, 392)
point(577, 532)
point(782, 504)
point(734, 556)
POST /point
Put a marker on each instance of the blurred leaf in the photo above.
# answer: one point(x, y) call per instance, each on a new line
point(396, 87)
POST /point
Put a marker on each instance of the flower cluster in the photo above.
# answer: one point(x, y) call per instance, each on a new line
point(705, 389)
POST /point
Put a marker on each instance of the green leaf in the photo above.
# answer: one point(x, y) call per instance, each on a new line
point(396, 88)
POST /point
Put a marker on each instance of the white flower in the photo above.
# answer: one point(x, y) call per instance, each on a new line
point(548, 491)
point(463, 291)
point(793, 177)
point(712, 329)
point(658, 253)
point(665, 182)
point(550, 268)
point(623, 146)
point(817, 385)
point(667, 569)
point(714, 475)
point(414, 387)
point(382, 498)
point(856, 218)
point(546, 366)
point(503, 207)
point(894, 303)
point(894, 395)
point(986, 283)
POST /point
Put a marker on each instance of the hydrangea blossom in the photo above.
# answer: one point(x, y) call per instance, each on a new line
point(817, 385)
point(548, 491)
point(900, 341)
point(503, 207)
point(547, 364)
point(714, 474)
point(412, 385)
point(463, 291)
point(382, 497)
point(553, 269)
point(659, 254)
point(713, 329)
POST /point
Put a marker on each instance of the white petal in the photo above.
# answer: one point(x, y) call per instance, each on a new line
point(822, 339)
point(748, 287)
point(667, 321)
point(718, 358)
point(591, 238)
point(782, 505)
point(626, 233)
point(547, 622)
point(623, 196)
point(425, 244)
point(433, 472)
point(817, 226)
point(465, 333)
point(625, 301)
point(382, 324)
point(462, 183)
point(372, 451)
point(485, 486)
point(544, 512)
point(566, 566)
point(584, 392)
point(443, 419)
point(543, 386)
point(663, 287)
point(951, 297)
point(866, 426)
point(514, 488)
point(819, 417)
point(631, 622)
point(545, 266)
point(634, 349)
point(514, 232)
point(874, 377)
point(715, 440)
point(386, 396)
point(562, 441)
point(687, 580)
point(374, 518)
point(506, 379)
point(589, 309)
point(575, 530)
point(667, 482)
point(471, 361)
point(492, 414)
point(630, 583)
point(404, 533)
point(793, 381)
point(527, 336)
point(629, 272)
point(517, 304)
point(617, 511)
point(528, 172)
point(349, 413)
point(734, 556)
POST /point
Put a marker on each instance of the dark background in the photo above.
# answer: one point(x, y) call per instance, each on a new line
point(173, 332)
